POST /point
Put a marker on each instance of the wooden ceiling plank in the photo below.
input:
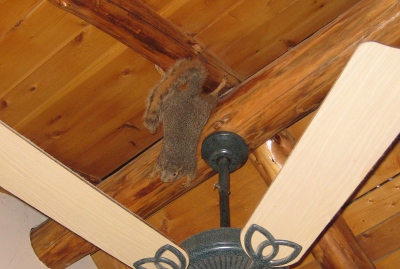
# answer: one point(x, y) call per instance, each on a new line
point(388, 261)
point(382, 239)
point(279, 95)
point(14, 13)
point(33, 42)
point(120, 81)
point(283, 39)
point(374, 207)
point(181, 13)
point(147, 33)
point(272, 38)
point(122, 143)
point(247, 15)
point(39, 89)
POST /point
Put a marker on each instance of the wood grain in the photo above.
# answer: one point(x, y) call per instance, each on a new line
point(279, 95)
point(389, 262)
point(147, 33)
point(339, 249)
point(181, 13)
point(270, 157)
point(41, 31)
point(105, 261)
point(295, 84)
point(382, 239)
point(90, 46)
point(259, 31)
point(374, 207)
point(112, 120)
point(14, 13)
point(42, 182)
point(335, 154)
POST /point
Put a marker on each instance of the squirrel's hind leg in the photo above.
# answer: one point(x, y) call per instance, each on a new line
point(220, 86)
point(160, 70)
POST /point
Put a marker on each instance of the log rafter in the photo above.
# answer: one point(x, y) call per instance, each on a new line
point(146, 32)
point(277, 96)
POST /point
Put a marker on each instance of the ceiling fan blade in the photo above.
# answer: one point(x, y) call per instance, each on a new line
point(41, 181)
point(354, 126)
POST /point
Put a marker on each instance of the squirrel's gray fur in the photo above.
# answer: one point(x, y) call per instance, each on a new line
point(178, 102)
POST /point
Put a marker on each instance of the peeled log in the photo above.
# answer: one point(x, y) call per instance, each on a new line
point(276, 97)
point(147, 33)
point(338, 248)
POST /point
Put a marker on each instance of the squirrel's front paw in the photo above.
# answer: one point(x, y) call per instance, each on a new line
point(154, 172)
point(188, 181)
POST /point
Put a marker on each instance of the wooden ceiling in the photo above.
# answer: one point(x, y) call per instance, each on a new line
point(75, 76)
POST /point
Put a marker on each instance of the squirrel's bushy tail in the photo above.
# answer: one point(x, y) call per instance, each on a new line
point(188, 75)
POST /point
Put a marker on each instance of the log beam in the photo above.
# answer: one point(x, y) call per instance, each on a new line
point(147, 33)
point(339, 249)
point(273, 99)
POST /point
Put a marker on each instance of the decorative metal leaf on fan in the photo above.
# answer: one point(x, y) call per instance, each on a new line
point(158, 259)
point(267, 261)
point(260, 261)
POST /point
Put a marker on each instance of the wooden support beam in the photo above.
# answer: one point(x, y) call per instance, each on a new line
point(269, 158)
point(146, 32)
point(105, 261)
point(276, 97)
point(338, 248)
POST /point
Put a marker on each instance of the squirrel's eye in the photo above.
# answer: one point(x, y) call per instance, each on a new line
point(175, 174)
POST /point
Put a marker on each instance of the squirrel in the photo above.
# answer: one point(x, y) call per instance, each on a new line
point(178, 102)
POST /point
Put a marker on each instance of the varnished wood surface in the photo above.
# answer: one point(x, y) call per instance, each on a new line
point(374, 207)
point(381, 239)
point(143, 30)
point(105, 261)
point(48, 54)
point(151, 196)
point(338, 248)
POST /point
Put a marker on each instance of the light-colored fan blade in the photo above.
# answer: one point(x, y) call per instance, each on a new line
point(42, 182)
point(354, 126)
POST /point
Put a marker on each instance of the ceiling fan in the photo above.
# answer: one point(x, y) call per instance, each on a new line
point(356, 123)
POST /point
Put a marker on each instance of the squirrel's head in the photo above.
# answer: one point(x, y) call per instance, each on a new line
point(171, 174)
